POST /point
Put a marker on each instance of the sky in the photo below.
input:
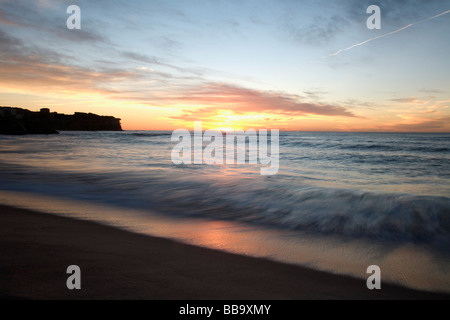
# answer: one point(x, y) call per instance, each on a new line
point(236, 64)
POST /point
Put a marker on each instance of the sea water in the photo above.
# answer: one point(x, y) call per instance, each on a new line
point(340, 201)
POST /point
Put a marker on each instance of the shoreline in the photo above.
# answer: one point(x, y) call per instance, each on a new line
point(118, 264)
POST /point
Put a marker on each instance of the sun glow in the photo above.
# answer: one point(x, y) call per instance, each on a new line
point(227, 129)
point(230, 121)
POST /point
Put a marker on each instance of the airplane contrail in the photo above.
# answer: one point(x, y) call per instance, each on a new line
point(387, 34)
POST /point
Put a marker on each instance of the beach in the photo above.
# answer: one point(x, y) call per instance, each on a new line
point(37, 248)
point(235, 150)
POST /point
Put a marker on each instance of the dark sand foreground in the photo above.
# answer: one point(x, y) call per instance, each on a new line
point(36, 249)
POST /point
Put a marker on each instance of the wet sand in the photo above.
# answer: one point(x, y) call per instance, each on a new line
point(36, 249)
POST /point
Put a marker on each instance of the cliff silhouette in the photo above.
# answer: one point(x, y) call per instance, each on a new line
point(17, 121)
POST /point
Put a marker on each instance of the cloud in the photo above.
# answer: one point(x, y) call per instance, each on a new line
point(388, 34)
point(321, 31)
point(33, 68)
point(78, 36)
point(315, 94)
point(14, 51)
point(394, 12)
point(359, 104)
point(156, 61)
point(434, 91)
point(8, 42)
point(336, 18)
point(140, 57)
point(30, 68)
point(4, 19)
point(27, 66)
point(406, 100)
point(30, 15)
point(441, 124)
point(240, 100)
point(169, 45)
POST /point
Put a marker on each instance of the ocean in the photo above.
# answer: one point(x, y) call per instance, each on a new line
point(340, 201)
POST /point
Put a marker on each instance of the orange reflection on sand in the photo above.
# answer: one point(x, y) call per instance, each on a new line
point(216, 234)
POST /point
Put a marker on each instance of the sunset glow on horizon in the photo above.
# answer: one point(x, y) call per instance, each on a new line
point(234, 65)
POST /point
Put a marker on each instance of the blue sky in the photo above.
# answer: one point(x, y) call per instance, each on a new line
point(163, 64)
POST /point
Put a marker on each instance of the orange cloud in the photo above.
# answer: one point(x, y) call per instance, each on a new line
point(440, 124)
